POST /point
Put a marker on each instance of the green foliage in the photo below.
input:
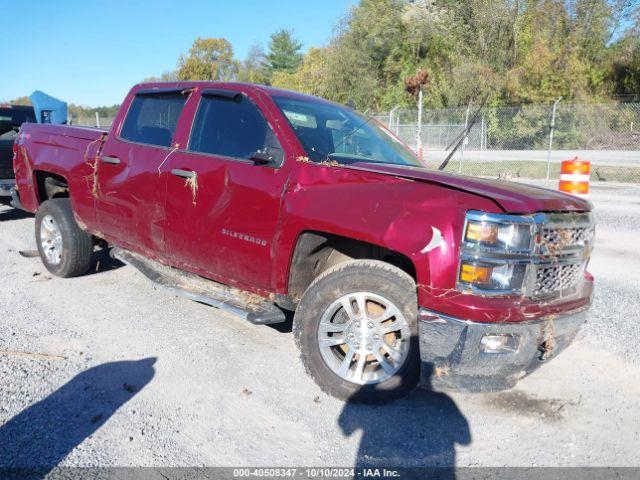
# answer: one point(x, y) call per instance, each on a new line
point(254, 68)
point(311, 75)
point(626, 67)
point(208, 59)
point(528, 51)
point(79, 111)
point(284, 52)
point(19, 101)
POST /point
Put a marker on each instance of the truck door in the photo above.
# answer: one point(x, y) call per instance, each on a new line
point(130, 191)
point(222, 207)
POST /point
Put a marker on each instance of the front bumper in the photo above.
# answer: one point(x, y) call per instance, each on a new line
point(452, 357)
point(6, 185)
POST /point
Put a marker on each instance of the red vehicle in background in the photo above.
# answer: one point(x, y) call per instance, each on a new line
point(261, 201)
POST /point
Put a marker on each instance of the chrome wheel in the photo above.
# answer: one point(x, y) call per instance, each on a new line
point(364, 338)
point(51, 240)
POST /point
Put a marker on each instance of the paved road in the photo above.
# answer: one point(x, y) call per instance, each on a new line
point(617, 158)
point(107, 370)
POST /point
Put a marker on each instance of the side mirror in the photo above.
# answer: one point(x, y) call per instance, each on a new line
point(260, 157)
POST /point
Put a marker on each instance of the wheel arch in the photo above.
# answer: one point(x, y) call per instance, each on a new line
point(49, 185)
point(316, 251)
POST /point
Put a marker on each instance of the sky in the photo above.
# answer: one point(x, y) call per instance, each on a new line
point(91, 52)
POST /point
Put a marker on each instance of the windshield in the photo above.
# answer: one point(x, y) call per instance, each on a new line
point(328, 131)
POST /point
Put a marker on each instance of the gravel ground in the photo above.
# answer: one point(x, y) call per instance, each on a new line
point(107, 370)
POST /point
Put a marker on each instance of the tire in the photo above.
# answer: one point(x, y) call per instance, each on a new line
point(65, 249)
point(322, 317)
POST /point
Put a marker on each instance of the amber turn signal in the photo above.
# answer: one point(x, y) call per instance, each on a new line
point(481, 232)
point(475, 274)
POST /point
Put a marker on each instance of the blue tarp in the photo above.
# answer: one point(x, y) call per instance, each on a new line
point(55, 110)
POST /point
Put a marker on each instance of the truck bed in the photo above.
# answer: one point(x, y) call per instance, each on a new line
point(60, 149)
point(83, 133)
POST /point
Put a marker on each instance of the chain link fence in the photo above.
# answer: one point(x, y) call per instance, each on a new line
point(528, 141)
point(97, 121)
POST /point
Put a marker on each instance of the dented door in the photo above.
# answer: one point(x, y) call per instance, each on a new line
point(222, 208)
point(131, 192)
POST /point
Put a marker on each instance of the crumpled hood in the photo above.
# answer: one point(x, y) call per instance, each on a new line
point(512, 197)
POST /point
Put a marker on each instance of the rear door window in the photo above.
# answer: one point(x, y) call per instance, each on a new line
point(152, 118)
point(232, 127)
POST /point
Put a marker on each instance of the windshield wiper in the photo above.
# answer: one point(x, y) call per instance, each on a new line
point(460, 138)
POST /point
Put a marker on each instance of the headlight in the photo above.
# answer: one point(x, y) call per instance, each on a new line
point(494, 251)
point(503, 233)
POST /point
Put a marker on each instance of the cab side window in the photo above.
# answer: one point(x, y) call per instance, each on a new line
point(232, 127)
point(152, 118)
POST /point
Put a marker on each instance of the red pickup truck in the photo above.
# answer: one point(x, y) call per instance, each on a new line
point(262, 201)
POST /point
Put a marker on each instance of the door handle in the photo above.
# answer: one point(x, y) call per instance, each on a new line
point(111, 160)
point(183, 173)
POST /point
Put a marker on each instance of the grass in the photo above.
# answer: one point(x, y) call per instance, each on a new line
point(538, 170)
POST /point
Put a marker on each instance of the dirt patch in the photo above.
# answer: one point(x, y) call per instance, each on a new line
point(329, 163)
point(518, 402)
point(37, 356)
point(93, 164)
point(192, 183)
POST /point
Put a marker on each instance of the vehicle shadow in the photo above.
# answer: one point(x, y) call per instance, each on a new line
point(102, 261)
point(11, 213)
point(421, 430)
point(41, 436)
point(286, 326)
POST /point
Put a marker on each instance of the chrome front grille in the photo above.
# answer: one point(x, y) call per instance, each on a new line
point(564, 243)
point(554, 240)
point(554, 281)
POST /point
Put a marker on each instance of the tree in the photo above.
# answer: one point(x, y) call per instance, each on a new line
point(254, 67)
point(208, 59)
point(284, 52)
point(76, 111)
point(626, 67)
point(314, 76)
point(20, 101)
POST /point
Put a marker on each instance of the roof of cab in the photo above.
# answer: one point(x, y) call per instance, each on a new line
point(272, 91)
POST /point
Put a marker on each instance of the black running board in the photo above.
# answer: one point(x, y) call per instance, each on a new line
point(248, 306)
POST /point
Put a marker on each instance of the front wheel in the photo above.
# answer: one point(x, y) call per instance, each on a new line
point(65, 249)
point(357, 333)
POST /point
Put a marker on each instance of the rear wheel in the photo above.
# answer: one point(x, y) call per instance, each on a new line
point(65, 249)
point(356, 330)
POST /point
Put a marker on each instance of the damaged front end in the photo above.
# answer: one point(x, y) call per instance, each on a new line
point(538, 259)
point(477, 357)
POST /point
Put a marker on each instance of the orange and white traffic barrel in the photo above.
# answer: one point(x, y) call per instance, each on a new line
point(574, 177)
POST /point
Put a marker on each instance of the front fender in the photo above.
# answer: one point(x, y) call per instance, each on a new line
point(402, 215)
